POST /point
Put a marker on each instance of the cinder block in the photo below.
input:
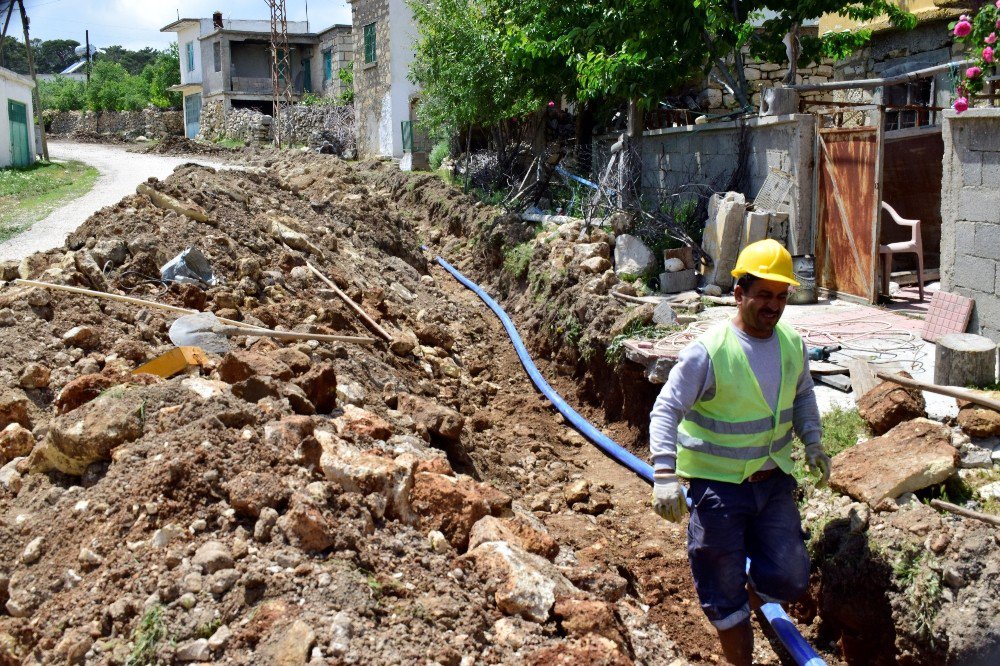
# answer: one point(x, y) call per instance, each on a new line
point(975, 273)
point(672, 283)
point(978, 205)
point(987, 240)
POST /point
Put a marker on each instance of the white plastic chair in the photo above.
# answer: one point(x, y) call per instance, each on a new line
point(914, 245)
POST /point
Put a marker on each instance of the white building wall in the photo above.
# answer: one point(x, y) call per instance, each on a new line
point(18, 88)
point(402, 38)
point(189, 34)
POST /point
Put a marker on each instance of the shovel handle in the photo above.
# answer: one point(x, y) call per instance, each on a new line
point(290, 335)
point(950, 391)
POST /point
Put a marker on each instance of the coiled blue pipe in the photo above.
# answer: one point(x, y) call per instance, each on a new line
point(800, 650)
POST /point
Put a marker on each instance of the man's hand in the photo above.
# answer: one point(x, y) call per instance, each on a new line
point(668, 500)
point(818, 461)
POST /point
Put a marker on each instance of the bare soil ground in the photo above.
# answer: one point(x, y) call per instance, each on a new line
point(315, 503)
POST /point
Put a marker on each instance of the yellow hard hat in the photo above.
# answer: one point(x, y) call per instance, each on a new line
point(766, 259)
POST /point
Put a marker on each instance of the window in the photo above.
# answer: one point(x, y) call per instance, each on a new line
point(217, 56)
point(909, 104)
point(370, 55)
point(327, 66)
point(189, 48)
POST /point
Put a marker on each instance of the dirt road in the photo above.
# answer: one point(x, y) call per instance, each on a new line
point(120, 172)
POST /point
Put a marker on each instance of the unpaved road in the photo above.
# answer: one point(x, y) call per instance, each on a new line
point(120, 172)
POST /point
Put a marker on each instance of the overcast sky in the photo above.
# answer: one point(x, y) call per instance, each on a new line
point(136, 23)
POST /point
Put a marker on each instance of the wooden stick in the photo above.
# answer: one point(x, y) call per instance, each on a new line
point(952, 391)
point(371, 323)
point(967, 513)
point(126, 299)
point(291, 335)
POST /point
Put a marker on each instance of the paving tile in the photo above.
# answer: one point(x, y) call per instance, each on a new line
point(948, 313)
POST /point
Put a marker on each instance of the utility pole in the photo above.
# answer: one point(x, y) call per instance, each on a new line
point(35, 97)
point(3, 35)
point(281, 70)
point(87, 38)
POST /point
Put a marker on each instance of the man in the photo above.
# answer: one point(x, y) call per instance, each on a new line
point(724, 422)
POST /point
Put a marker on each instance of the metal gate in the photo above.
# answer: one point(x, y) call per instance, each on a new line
point(192, 115)
point(20, 151)
point(848, 201)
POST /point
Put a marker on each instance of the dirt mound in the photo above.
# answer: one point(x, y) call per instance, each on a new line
point(179, 145)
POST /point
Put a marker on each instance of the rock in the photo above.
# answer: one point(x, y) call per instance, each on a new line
point(577, 491)
point(34, 376)
point(976, 457)
point(363, 423)
point(206, 389)
point(523, 584)
point(251, 492)
point(664, 315)
point(589, 649)
point(255, 389)
point(585, 251)
point(222, 581)
point(516, 531)
point(10, 477)
point(81, 390)
point(110, 251)
point(83, 337)
point(435, 335)
point(684, 280)
point(213, 556)
point(7, 318)
point(351, 394)
point(90, 433)
point(163, 536)
point(403, 342)
point(858, 517)
point(362, 472)
point(320, 386)
point(977, 421)
point(579, 617)
point(632, 257)
point(292, 648)
point(911, 456)
point(88, 267)
point(237, 366)
point(33, 551)
point(888, 404)
point(197, 650)
point(595, 265)
point(721, 238)
point(307, 527)
point(989, 490)
point(16, 441)
point(437, 419)
point(14, 408)
point(220, 638)
point(439, 543)
point(298, 361)
point(450, 505)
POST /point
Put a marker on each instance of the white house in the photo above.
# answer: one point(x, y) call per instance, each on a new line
point(17, 120)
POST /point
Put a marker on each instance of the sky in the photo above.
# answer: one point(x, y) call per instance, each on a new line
point(136, 23)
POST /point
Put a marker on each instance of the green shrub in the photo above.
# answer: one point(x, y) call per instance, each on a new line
point(346, 76)
point(440, 151)
point(517, 259)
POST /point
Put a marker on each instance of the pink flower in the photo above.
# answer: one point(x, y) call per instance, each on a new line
point(988, 52)
point(963, 27)
point(998, 4)
point(961, 105)
point(998, 24)
point(991, 39)
point(973, 72)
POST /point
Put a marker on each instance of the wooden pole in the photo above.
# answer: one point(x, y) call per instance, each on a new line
point(3, 35)
point(371, 323)
point(966, 513)
point(86, 36)
point(35, 97)
point(951, 391)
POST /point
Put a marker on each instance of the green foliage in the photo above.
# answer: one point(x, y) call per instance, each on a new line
point(920, 583)
point(569, 329)
point(206, 630)
point(162, 73)
point(112, 88)
point(134, 62)
point(841, 429)
point(147, 637)
point(62, 94)
point(29, 194)
point(440, 151)
point(346, 76)
point(517, 259)
point(634, 330)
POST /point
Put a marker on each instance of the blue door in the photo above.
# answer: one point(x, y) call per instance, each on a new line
point(20, 153)
point(192, 115)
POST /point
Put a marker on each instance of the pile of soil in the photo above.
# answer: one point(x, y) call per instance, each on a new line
point(180, 145)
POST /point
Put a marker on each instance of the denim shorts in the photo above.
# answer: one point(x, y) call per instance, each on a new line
point(731, 522)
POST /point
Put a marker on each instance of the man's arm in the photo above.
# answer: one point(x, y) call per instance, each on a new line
point(805, 412)
point(690, 380)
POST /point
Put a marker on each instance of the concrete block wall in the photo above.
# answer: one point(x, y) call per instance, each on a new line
point(675, 158)
point(970, 214)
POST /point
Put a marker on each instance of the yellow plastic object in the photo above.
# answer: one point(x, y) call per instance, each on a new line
point(174, 361)
point(767, 259)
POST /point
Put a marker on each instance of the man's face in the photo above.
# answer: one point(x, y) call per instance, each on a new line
point(761, 305)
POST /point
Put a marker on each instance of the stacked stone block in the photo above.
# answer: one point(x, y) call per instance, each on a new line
point(372, 82)
point(970, 214)
point(151, 123)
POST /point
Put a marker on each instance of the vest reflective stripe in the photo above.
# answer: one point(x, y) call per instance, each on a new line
point(733, 433)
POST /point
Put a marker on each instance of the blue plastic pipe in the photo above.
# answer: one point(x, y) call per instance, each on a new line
point(787, 633)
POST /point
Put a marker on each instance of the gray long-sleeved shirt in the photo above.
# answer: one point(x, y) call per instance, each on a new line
point(692, 379)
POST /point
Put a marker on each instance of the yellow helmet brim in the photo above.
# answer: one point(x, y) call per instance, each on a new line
point(776, 277)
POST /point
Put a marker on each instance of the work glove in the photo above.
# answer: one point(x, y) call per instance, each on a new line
point(668, 499)
point(818, 461)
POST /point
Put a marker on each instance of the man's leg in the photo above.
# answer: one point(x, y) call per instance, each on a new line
point(779, 562)
point(717, 551)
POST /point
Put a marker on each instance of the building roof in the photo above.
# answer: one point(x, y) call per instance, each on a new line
point(173, 27)
point(14, 77)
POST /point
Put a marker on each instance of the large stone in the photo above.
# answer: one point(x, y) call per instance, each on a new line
point(452, 505)
point(721, 239)
point(15, 441)
point(237, 366)
point(213, 556)
point(362, 472)
point(14, 408)
point(363, 423)
point(290, 647)
point(403, 342)
point(307, 527)
point(437, 419)
point(888, 404)
point(977, 421)
point(632, 256)
point(90, 433)
point(34, 376)
point(585, 251)
point(436, 335)
point(579, 617)
point(911, 456)
point(522, 584)
point(517, 531)
point(196, 650)
point(320, 385)
point(84, 337)
point(81, 390)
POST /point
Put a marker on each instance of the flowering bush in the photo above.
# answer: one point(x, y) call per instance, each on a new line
point(978, 34)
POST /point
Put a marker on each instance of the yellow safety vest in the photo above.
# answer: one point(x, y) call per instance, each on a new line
point(731, 436)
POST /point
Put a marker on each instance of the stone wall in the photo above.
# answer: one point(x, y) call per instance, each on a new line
point(970, 213)
point(761, 75)
point(213, 118)
point(372, 81)
point(151, 123)
point(308, 125)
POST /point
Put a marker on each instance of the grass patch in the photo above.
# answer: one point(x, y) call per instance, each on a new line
point(29, 194)
point(230, 143)
point(841, 429)
point(920, 583)
point(147, 638)
point(517, 259)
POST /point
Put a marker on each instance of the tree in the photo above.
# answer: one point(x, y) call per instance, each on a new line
point(133, 61)
point(14, 55)
point(54, 55)
point(62, 94)
point(112, 88)
point(162, 73)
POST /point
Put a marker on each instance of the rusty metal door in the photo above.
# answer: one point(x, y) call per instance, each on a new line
point(848, 201)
